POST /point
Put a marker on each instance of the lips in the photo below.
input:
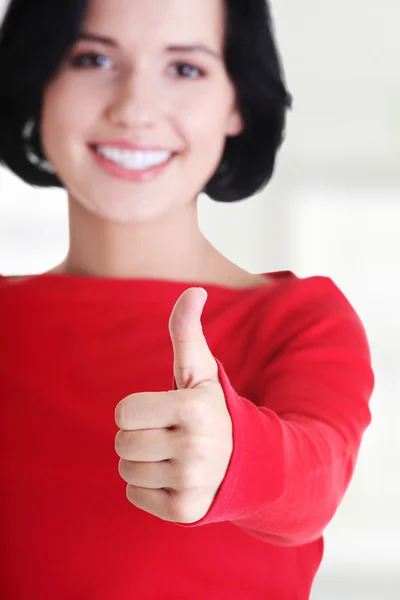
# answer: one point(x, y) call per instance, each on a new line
point(134, 159)
point(119, 171)
point(126, 145)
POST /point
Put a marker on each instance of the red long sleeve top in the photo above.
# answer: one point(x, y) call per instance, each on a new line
point(295, 366)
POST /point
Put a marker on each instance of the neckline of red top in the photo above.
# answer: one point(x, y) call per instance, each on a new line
point(103, 289)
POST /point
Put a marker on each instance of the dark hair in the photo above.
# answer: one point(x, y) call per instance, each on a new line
point(36, 35)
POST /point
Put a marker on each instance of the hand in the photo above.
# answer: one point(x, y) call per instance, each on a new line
point(175, 446)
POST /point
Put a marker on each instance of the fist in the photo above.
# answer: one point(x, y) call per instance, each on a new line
point(175, 446)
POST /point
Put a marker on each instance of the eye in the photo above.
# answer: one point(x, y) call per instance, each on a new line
point(187, 71)
point(91, 60)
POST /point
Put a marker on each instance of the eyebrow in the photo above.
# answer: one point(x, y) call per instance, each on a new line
point(90, 37)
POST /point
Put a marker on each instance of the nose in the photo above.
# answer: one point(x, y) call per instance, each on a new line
point(134, 103)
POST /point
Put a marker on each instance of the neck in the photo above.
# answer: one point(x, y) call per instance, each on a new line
point(171, 247)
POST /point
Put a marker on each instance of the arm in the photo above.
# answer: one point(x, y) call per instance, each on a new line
point(296, 445)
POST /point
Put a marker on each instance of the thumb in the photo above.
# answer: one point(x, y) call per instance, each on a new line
point(193, 362)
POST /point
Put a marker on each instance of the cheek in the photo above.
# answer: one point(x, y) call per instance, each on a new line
point(66, 114)
point(204, 135)
point(204, 117)
point(206, 139)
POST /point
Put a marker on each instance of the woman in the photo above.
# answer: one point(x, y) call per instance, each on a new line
point(174, 427)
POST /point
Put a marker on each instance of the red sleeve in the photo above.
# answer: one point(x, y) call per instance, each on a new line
point(295, 449)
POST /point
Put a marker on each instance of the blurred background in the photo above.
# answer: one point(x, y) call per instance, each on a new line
point(333, 208)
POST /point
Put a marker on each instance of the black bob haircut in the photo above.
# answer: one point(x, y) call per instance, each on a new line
point(36, 35)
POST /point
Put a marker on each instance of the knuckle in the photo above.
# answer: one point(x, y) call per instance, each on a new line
point(195, 411)
point(181, 509)
point(120, 414)
point(186, 477)
point(118, 442)
point(123, 470)
point(123, 443)
point(195, 448)
point(125, 413)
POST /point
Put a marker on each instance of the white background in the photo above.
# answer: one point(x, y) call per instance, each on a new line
point(333, 208)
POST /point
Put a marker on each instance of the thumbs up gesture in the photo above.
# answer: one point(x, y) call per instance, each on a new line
point(175, 446)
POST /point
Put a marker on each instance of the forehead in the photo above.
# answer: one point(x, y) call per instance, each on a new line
point(157, 21)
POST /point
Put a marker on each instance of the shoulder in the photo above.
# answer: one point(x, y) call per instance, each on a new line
point(308, 298)
point(311, 312)
point(14, 289)
point(311, 354)
point(7, 281)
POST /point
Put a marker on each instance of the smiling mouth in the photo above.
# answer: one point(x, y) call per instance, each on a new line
point(133, 160)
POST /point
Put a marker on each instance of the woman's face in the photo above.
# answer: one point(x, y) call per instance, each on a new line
point(157, 81)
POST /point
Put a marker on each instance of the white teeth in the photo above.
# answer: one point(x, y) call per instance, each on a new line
point(134, 160)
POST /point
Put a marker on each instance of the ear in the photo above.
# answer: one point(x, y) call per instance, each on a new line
point(235, 124)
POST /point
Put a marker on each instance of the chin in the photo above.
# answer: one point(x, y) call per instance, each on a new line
point(124, 212)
